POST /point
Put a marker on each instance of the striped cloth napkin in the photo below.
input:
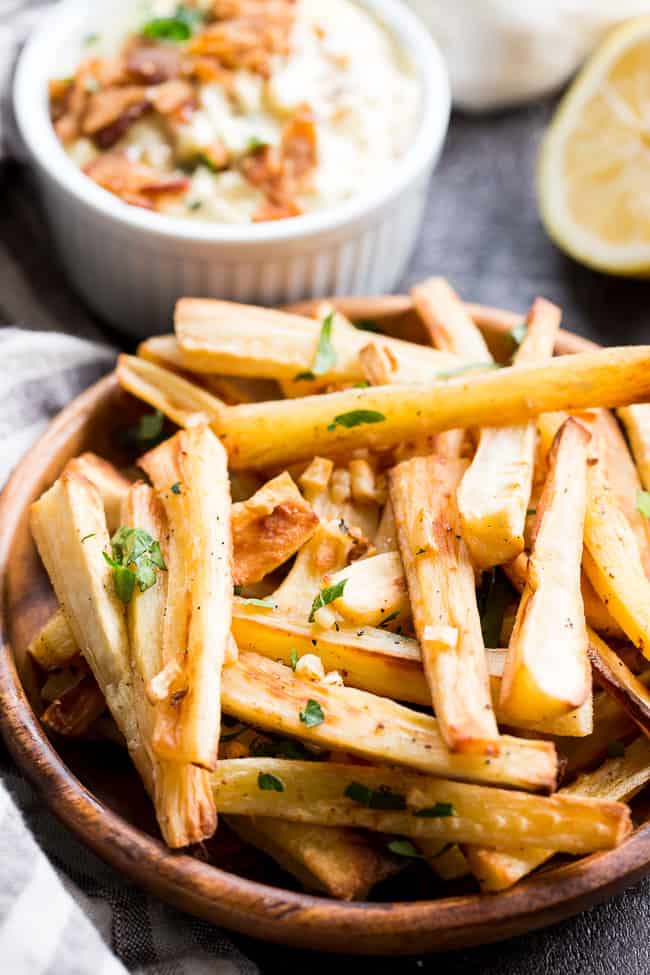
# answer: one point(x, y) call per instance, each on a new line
point(60, 906)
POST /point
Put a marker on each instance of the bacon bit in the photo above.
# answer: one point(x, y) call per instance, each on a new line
point(216, 155)
point(134, 182)
point(281, 172)
point(247, 33)
point(173, 97)
point(107, 106)
point(153, 65)
point(276, 211)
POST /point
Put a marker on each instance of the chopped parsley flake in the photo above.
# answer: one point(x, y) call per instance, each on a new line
point(325, 357)
point(381, 798)
point(178, 27)
point(355, 418)
point(135, 558)
point(326, 596)
point(404, 848)
point(89, 535)
point(176, 488)
point(293, 658)
point(313, 714)
point(643, 502)
point(438, 809)
point(147, 432)
point(269, 783)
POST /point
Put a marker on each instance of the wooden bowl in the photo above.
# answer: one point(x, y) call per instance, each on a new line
point(94, 791)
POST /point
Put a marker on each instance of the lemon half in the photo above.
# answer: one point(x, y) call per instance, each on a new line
point(594, 164)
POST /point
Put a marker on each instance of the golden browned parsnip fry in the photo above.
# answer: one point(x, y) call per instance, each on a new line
point(596, 613)
point(619, 682)
point(269, 695)
point(494, 494)
point(636, 420)
point(280, 432)
point(69, 528)
point(189, 473)
point(269, 528)
point(421, 807)
point(242, 340)
point(612, 561)
point(375, 592)
point(547, 671)
point(334, 859)
point(74, 710)
point(608, 444)
point(442, 594)
point(54, 646)
point(448, 321)
point(181, 793)
point(619, 779)
point(182, 401)
point(112, 485)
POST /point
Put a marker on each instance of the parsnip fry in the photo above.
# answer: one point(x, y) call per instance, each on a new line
point(73, 712)
point(447, 320)
point(596, 613)
point(54, 646)
point(269, 528)
point(280, 432)
point(333, 859)
point(242, 340)
point(636, 420)
point(442, 594)
point(375, 591)
point(619, 779)
point(494, 494)
point(112, 485)
point(612, 561)
point(189, 473)
point(547, 671)
point(326, 551)
point(69, 528)
point(392, 801)
point(182, 401)
point(619, 682)
point(269, 695)
point(181, 793)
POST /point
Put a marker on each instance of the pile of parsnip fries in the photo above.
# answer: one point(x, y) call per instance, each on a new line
point(355, 602)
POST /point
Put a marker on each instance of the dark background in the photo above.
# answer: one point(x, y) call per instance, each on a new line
point(483, 233)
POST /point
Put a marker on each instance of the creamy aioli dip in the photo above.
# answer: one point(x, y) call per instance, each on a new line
point(342, 68)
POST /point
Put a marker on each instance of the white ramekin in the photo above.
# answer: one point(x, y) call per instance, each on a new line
point(131, 265)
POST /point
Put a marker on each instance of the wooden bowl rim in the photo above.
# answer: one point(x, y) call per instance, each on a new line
point(248, 906)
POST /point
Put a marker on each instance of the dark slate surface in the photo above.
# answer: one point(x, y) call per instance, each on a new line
point(481, 231)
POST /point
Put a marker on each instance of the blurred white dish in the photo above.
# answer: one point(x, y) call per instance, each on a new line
point(505, 52)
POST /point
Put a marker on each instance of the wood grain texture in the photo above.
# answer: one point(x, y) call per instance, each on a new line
point(103, 804)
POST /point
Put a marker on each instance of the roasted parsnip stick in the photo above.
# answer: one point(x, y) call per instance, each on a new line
point(242, 340)
point(442, 594)
point(619, 779)
point(54, 646)
point(112, 485)
point(280, 432)
point(596, 613)
point(73, 712)
point(181, 794)
point(190, 475)
point(547, 670)
point(494, 493)
point(447, 321)
point(319, 792)
point(326, 551)
point(269, 528)
point(619, 682)
point(269, 695)
point(636, 420)
point(375, 591)
point(69, 528)
point(334, 859)
point(612, 561)
point(182, 401)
